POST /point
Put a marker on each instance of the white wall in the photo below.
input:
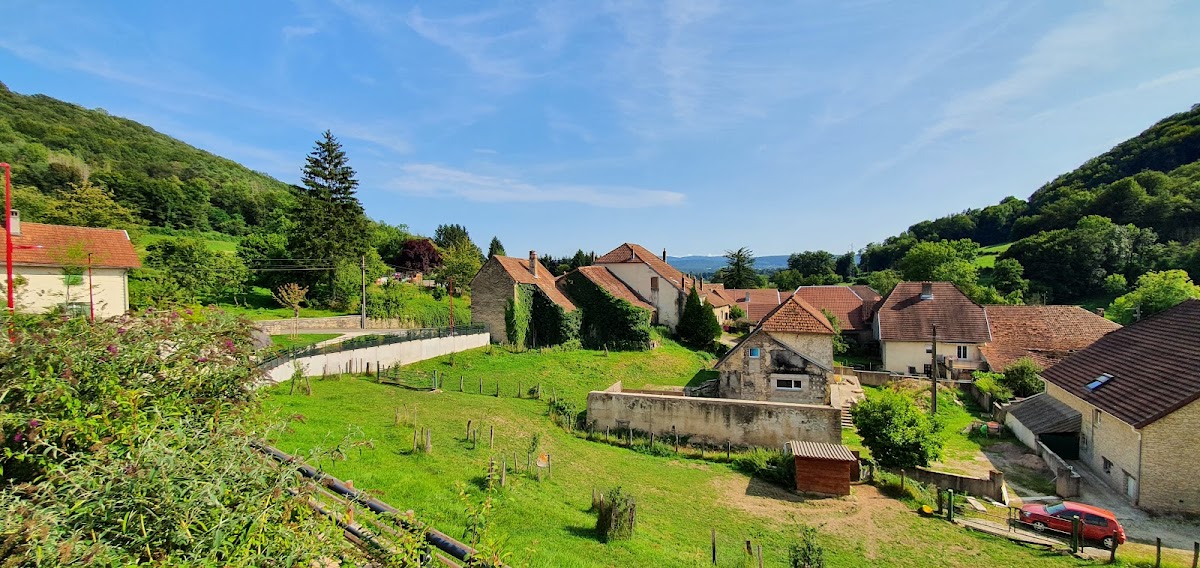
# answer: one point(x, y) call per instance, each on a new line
point(898, 356)
point(638, 277)
point(401, 353)
point(44, 289)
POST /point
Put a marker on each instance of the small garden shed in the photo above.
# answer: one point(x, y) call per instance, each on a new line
point(823, 468)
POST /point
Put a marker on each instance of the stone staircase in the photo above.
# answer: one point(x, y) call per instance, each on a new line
point(847, 421)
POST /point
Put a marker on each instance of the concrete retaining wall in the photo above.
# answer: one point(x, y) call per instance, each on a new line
point(276, 327)
point(401, 353)
point(715, 420)
point(873, 378)
point(1066, 481)
point(992, 487)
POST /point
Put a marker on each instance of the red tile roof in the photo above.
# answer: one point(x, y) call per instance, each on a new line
point(631, 253)
point(761, 301)
point(904, 316)
point(59, 244)
point(1154, 365)
point(605, 279)
point(794, 315)
point(841, 301)
point(518, 269)
point(715, 298)
point(1045, 334)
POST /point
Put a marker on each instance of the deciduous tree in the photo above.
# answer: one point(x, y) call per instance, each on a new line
point(1153, 293)
point(896, 431)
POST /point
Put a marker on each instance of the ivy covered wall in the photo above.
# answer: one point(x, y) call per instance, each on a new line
point(607, 320)
point(517, 314)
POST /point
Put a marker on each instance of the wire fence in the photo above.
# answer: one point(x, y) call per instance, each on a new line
point(365, 341)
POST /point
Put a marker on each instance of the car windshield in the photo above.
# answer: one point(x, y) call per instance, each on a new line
point(1052, 509)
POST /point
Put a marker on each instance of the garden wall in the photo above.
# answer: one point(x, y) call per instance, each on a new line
point(401, 353)
point(1066, 481)
point(715, 420)
point(992, 487)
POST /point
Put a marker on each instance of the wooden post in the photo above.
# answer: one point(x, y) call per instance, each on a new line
point(491, 437)
point(460, 383)
point(727, 447)
point(1195, 554)
point(518, 388)
point(528, 462)
point(950, 505)
point(549, 470)
point(491, 471)
point(503, 471)
point(468, 429)
point(714, 546)
point(749, 549)
point(415, 434)
point(480, 385)
point(606, 434)
point(429, 441)
point(902, 481)
point(1112, 552)
point(1074, 534)
point(652, 439)
point(368, 368)
point(1157, 552)
point(760, 564)
point(377, 370)
point(497, 388)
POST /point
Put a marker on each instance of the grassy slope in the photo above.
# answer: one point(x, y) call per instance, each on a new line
point(680, 499)
point(229, 246)
point(987, 255)
point(259, 305)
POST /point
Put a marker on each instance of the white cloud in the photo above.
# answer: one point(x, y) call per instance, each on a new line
point(437, 181)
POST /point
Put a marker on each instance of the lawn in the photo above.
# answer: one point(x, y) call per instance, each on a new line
point(219, 245)
point(289, 341)
point(987, 255)
point(680, 499)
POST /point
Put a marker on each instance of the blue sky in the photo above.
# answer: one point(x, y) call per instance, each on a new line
point(695, 125)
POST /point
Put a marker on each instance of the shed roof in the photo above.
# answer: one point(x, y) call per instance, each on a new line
point(1043, 414)
point(842, 301)
point(1153, 367)
point(820, 451)
point(55, 245)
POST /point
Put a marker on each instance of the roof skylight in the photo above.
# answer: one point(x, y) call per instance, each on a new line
point(1099, 382)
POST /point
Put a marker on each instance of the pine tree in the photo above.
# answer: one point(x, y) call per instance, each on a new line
point(327, 172)
point(698, 327)
point(496, 249)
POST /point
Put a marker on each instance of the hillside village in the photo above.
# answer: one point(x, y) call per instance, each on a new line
point(223, 352)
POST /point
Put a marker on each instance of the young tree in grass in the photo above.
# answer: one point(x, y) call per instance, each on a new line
point(698, 327)
point(739, 270)
point(291, 295)
point(1021, 377)
point(896, 431)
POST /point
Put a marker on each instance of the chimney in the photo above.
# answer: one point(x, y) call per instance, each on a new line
point(15, 221)
point(927, 290)
point(1100, 312)
point(533, 263)
point(747, 298)
point(664, 254)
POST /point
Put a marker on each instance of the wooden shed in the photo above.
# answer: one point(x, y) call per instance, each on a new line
point(823, 468)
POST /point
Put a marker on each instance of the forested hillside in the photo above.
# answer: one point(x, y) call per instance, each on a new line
point(57, 147)
point(1088, 234)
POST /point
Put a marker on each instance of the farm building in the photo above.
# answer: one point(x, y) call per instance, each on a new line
point(823, 468)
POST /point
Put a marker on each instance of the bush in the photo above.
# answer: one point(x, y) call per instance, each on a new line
point(772, 465)
point(1022, 377)
point(698, 327)
point(617, 516)
point(807, 553)
point(897, 433)
point(992, 384)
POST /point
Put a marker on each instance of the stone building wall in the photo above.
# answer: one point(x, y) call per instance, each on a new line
point(491, 290)
point(758, 378)
point(1169, 449)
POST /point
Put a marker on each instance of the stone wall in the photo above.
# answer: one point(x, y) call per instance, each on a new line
point(715, 420)
point(491, 291)
point(1169, 449)
point(401, 353)
point(1066, 481)
point(757, 378)
point(992, 486)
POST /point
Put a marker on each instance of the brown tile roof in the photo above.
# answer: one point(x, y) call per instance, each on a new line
point(715, 298)
point(57, 244)
point(629, 252)
point(1045, 334)
point(841, 301)
point(518, 269)
point(761, 301)
point(1154, 364)
point(604, 278)
point(904, 316)
point(865, 292)
point(794, 315)
point(820, 451)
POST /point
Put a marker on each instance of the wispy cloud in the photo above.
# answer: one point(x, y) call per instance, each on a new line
point(463, 37)
point(295, 32)
point(437, 181)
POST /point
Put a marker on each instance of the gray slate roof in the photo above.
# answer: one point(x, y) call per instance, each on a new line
point(1043, 414)
point(820, 450)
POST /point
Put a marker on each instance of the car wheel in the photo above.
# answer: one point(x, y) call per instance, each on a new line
point(1108, 542)
point(1039, 526)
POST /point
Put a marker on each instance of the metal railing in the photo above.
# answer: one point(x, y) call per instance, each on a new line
point(373, 340)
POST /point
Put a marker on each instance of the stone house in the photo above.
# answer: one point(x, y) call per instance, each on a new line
point(904, 325)
point(852, 310)
point(496, 284)
point(1045, 334)
point(787, 358)
point(650, 277)
point(51, 268)
point(1137, 391)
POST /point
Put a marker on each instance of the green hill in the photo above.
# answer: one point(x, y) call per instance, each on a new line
point(164, 181)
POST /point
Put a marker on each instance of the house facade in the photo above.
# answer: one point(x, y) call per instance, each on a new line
point(1137, 392)
point(904, 326)
point(81, 270)
point(496, 285)
point(650, 277)
point(787, 358)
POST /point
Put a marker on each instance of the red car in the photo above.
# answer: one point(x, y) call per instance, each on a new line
point(1098, 524)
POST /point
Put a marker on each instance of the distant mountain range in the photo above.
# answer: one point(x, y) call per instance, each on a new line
point(710, 264)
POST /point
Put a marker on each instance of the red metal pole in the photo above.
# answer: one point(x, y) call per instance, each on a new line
point(8, 244)
point(91, 297)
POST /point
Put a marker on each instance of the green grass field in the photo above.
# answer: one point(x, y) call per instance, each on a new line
point(680, 498)
point(987, 255)
point(229, 246)
point(259, 305)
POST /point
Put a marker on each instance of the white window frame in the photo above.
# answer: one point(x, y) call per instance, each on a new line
point(754, 352)
point(963, 352)
point(796, 384)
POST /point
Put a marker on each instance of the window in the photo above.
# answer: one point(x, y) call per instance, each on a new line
point(929, 349)
point(912, 370)
point(1096, 416)
point(1107, 464)
point(788, 384)
point(928, 369)
point(755, 353)
point(1095, 520)
point(654, 283)
point(962, 351)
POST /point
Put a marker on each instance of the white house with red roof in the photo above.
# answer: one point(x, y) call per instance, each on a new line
point(662, 285)
point(75, 268)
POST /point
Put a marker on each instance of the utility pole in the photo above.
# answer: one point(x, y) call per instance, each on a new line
point(363, 301)
point(450, 295)
point(933, 372)
point(91, 296)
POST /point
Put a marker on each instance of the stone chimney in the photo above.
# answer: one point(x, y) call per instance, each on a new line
point(533, 263)
point(1100, 312)
point(15, 221)
point(927, 290)
point(664, 254)
point(747, 298)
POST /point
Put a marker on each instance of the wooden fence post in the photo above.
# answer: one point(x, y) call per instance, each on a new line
point(714, 547)
point(549, 470)
point(727, 448)
point(429, 441)
point(481, 385)
point(460, 383)
point(503, 471)
point(760, 564)
point(1195, 554)
point(518, 388)
point(491, 437)
point(1157, 552)
point(1112, 552)
point(468, 430)
point(415, 434)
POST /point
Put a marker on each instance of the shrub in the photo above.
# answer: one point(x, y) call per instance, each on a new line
point(992, 384)
point(807, 553)
point(896, 432)
point(1022, 377)
point(617, 516)
point(698, 327)
point(772, 465)
point(736, 312)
